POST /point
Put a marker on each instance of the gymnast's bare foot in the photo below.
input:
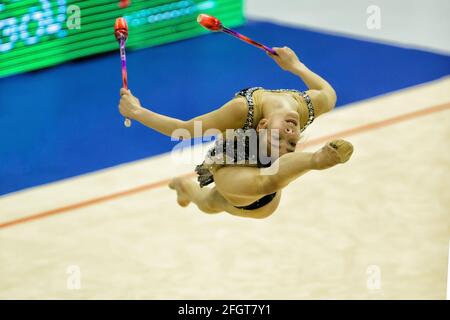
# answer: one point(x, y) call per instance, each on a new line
point(331, 154)
point(178, 185)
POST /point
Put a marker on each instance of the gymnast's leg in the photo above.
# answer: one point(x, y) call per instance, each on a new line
point(249, 182)
point(208, 200)
point(291, 166)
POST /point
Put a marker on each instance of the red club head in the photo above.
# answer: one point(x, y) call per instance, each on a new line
point(209, 22)
point(121, 29)
point(124, 3)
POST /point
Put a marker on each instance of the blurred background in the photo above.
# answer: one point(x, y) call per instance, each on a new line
point(63, 146)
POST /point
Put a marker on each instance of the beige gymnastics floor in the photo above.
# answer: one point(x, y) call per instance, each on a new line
point(375, 228)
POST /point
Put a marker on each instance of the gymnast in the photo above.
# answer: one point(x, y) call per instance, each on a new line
point(254, 158)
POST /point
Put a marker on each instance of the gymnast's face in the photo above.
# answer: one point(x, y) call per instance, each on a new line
point(283, 132)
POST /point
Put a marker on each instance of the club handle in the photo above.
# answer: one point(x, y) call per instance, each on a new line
point(127, 121)
point(248, 40)
point(270, 50)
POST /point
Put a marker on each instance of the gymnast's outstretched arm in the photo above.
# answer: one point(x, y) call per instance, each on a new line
point(321, 92)
point(231, 115)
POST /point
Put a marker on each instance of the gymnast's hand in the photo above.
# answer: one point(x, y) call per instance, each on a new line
point(286, 59)
point(129, 105)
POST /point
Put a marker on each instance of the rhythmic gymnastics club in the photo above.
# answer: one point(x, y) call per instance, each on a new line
point(213, 24)
point(121, 33)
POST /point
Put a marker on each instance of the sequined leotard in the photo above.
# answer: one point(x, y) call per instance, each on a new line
point(215, 156)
